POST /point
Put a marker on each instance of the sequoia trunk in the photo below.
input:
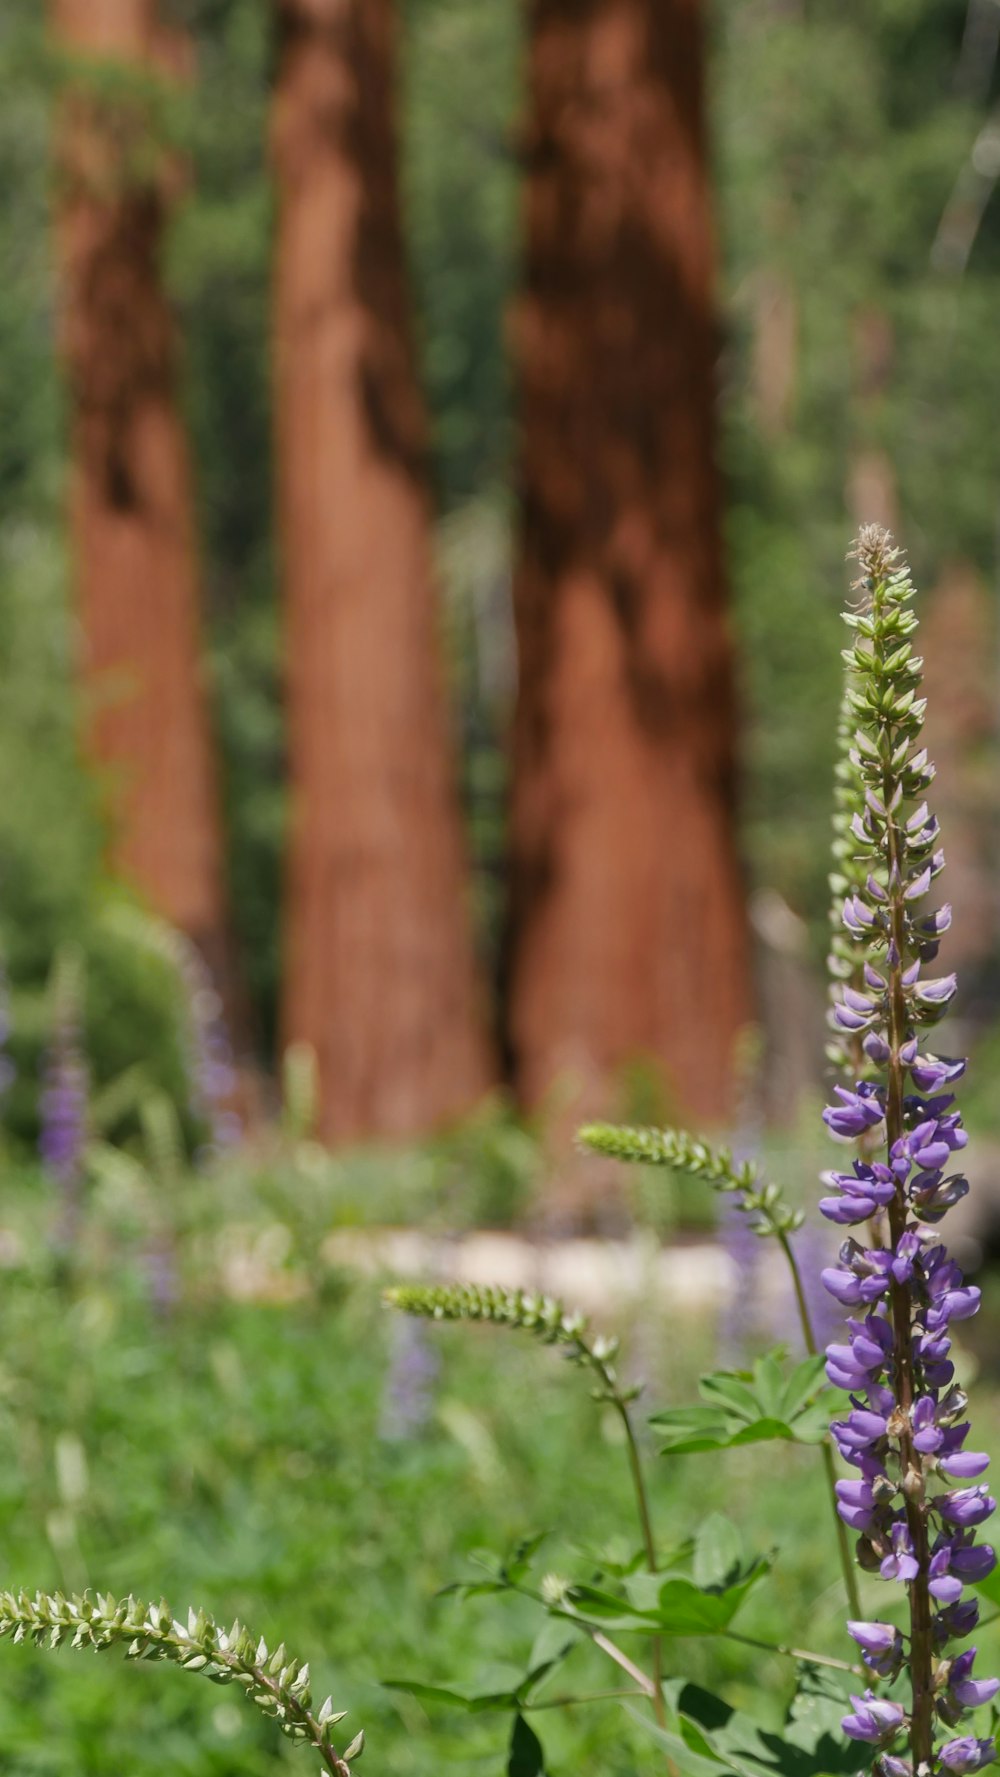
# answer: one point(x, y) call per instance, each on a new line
point(628, 928)
point(379, 968)
point(135, 554)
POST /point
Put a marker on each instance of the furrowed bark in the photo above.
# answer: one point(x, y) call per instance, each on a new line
point(628, 936)
point(380, 976)
point(134, 545)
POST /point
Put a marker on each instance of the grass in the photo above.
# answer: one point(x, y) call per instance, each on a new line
point(231, 1456)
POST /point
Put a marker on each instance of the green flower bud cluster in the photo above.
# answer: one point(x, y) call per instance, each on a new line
point(543, 1316)
point(681, 1152)
point(274, 1682)
point(847, 877)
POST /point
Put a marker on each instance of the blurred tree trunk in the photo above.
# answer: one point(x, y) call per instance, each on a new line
point(379, 969)
point(135, 554)
point(628, 924)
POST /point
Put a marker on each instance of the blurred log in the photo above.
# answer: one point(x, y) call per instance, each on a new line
point(379, 969)
point(135, 553)
point(628, 924)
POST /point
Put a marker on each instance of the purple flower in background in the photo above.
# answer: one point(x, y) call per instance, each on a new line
point(63, 1108)
point(742, 1248)
point(211, 1068)
point(408, 1390)
point(905, 1430)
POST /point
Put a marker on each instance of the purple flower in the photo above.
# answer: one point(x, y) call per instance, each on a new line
point(211, 1070)
point(968, 1691)
point(937, 992)
point(63, 1110)
point(929, 1072)
point(408, 1390)
point(743, 1250)
point(855, 1113)
point(964, 1464)
point(969, 1505)
point(901, 1563)
point(967, 1754)
point(900, 1350)
point(856, 1504)
point(943, 1585)
point(859, 1430)
point(875, 1719)
point(973, 1562)
point(881, 1646)
point(957, 1620)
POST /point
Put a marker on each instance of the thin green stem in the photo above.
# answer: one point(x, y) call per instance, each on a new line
point(649, 1541)
point(571, 1702)
point(794, 1653)
point(809, 1337)
point(620, 1658)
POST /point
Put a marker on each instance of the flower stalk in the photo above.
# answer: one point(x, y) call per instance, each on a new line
point(905, 1432)
point(272, 1680)
point(550, 1322)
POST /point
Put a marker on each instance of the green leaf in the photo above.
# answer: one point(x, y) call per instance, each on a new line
point(685, 1430)
point(753, 1409)
point(686, 1610)
point(526, 1758)
point(498, 1687)
point(989, 1588)
point(665, 1604)
point(805, 1381)
point(815, 1714)
point(684, 1758)
point(811, 1744)
point(520, 1561)
point(732, 1392)
point(769, 1385)
point(554, 1642)
point(718, 1551)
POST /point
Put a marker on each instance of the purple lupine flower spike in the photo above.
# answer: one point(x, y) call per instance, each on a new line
point(408, 1391)
point(211, 1067)
point(915, 1497)
point(742, 1249)
point(63, 1107)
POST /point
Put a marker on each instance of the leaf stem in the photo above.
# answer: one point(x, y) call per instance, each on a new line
point(620, 1405)
point(620, 1657)
point(571, 1702)
point(794, 1653)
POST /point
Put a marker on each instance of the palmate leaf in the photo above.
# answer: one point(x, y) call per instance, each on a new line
point(751, 1408)
point(706, 1737)
point(497, 1687)
point(500, 1686)
point(663, 1603)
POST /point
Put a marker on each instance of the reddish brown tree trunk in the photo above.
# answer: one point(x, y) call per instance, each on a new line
point(135, 554)
point(379, 974)
point(629, 934)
